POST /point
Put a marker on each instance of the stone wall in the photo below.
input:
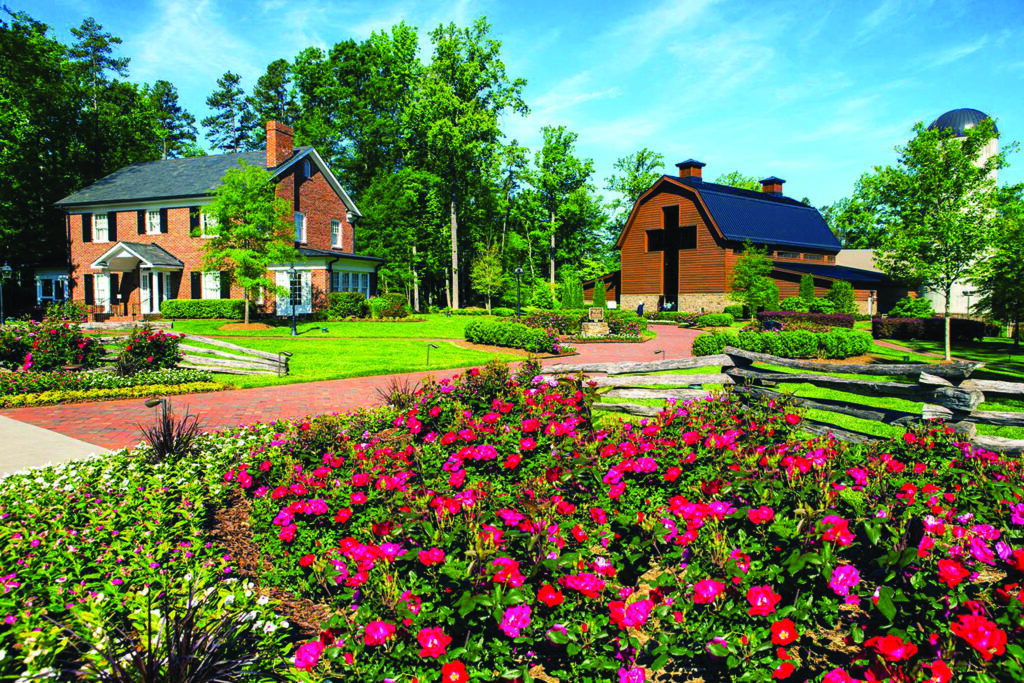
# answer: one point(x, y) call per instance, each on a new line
point(703, 303)
point(629, 302)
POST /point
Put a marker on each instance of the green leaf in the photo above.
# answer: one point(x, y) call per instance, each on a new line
point(885, 604)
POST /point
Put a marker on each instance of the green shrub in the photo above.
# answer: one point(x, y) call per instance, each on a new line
point(512, 334)
point(544, 297)
point(391, 305)
point(567, 322)
point(798, 344)
point(736, 311)
point(620, 320)
point(751, 340)
point(151, 349)
point(795, 304)
point(600, 295)
point(715, 320)
point(806, 289)
point(570, 290)
point(503, 312)
point(46, 346)
point(710, 344)
point(821, 306)
point(908, 307)
point(842, 297)
point(71, 311)
point(204, 309)
point(347, 305)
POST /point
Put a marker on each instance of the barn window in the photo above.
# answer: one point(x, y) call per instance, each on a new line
point(655, 240)
point(688, 237)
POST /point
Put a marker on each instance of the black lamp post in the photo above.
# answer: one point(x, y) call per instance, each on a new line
point(5, 272)
point(519, 274)
point(291, 297)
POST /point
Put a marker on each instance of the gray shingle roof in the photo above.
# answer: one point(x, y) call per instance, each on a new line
point(154, 255)
point(165, 179)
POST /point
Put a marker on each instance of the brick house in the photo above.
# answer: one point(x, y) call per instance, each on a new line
point(136, 236)
point(684, 235)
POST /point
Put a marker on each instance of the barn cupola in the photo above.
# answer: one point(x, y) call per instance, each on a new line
point(772, 185)
point(691, 168)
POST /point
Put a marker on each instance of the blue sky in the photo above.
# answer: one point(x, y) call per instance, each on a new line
point(815, 92)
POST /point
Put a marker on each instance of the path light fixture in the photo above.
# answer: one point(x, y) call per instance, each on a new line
point(5, 272)
point(430, 346)
point(324, 330)
point(662, 352)
point(291, 296)
point(519, 274)
point(162, 402)
point(968, 293)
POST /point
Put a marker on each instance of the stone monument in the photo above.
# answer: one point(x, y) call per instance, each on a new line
point(595, 325)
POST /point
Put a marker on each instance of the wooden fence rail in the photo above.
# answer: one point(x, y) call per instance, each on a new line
point(225, 357)
point(946, 390)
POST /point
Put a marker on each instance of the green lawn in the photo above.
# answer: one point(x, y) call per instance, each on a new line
point(433, 326)
point(317, 358)
point(999, 355)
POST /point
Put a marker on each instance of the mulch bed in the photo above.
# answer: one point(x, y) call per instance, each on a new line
point(243, 327)
point(232, 531)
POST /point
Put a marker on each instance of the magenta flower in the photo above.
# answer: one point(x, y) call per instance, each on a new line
point(514, 620)
point(632, 675)
point(844, 577)
point(376, 632)
point(308, 654)
point(706, 590)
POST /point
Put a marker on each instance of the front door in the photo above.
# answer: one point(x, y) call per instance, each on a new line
point(153, 289)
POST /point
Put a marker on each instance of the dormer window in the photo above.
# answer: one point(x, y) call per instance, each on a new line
point(300, 227)
point(306, 170)
point(336, 235)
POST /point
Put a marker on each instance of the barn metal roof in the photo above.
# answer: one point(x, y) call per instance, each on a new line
point(851, 275)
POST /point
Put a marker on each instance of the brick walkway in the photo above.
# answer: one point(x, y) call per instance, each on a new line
point(114, 424)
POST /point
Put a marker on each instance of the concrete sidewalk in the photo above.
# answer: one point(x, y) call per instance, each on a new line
point(25, 445)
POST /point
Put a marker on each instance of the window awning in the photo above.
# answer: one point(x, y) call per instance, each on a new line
point(127, 256)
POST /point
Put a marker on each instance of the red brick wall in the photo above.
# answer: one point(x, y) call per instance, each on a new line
point(320, 203)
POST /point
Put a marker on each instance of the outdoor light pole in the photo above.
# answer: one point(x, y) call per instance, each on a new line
point(291, 299)
point(5, 271)
point(519, 274)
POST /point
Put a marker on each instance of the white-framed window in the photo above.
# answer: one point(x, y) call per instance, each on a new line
point(211, 285)
point(306, 170)
point(343, 281)
point(207, 224)
point(153, 222)
point(100, 228)
point(300, 226)
point(295, 289)
point(101, 285)
point(336, 233)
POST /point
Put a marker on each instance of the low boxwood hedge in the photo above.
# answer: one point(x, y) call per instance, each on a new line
point(204, 309)
point(512, 334)
point(825, 319)
point(715, 320)
point(838, 343)
point(932, 329)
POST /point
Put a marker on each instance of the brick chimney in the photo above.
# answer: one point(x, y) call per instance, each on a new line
point(772, 185)
point(691, 168)
point(279, 143)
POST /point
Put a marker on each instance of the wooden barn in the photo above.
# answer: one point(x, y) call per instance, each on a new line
point(684, 235)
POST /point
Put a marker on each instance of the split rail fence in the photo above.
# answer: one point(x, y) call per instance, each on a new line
point(224, 357)
point(946, 391)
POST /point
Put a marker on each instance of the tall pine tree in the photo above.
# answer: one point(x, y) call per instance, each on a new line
point(229, 128)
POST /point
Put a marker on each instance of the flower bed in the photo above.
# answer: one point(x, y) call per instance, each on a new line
point(80, 395)
point(487, 527)
point(836, 343)
point(38, 382)
point(824, 319)
point(47, 345)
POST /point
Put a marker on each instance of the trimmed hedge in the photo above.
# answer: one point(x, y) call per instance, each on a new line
point(562, 322)
point(736, 311)
point(204, 309)
point(74, 396)
point(715, 320)
point(838, 343)
point(347, 305)
point(826, 319)
point(932, 329)
point(513, 335)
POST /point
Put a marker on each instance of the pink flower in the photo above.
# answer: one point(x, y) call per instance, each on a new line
point(376, 632)
point(514, 620)
point(844, 577)
point(706, 590)
point(433, 642)
point(762, 601)
point(588, 584)
point(761, 515)
point(431, 557)
point(508, 572)
point(308, 654)
point(632, 675)
point(835, 528)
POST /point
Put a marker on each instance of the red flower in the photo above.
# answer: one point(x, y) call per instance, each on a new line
point(512, 460)
point(981, 634)
point(892, 648)
point(792, 419)
point(761, 515)
point(784, 632)
point(433, 642)
point(783, 670)
point(306, 560)
point(762, 601)
point(431, 557)
point(454, 672)
point(952, 573)
point(550, 596)
point(940, 672)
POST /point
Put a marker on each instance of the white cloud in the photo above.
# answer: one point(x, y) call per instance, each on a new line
point(953, 54)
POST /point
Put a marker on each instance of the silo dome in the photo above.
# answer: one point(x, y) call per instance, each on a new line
point(959, 120)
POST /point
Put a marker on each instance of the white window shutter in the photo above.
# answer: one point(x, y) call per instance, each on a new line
point(307, 292)
point(282, 299)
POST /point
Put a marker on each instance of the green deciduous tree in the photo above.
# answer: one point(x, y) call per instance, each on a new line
point(937, 205)
point(254, 231)
point(485, 274)
point(737, 179)
point(1000, 279)
point(751, 283)
point(635, 174)
point(856, 220)
point(230, 127)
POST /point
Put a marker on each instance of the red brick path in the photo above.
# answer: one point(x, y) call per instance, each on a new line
point(114, 424)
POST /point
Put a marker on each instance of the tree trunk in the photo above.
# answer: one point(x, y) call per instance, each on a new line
point(245, 298)
point(488, 304)
point(552, 254)
point(455, 258)
point(448, 289)
point(948, 356)
point(1016, 332)
point(415, 283)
